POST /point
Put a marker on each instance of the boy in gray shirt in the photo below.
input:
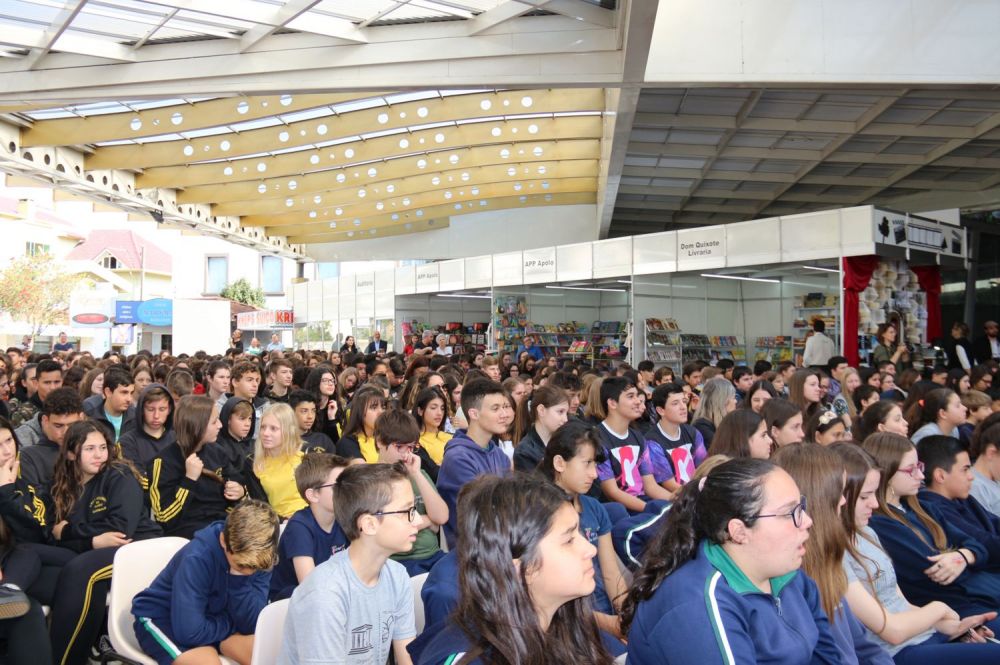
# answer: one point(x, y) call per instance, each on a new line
point(352, 608)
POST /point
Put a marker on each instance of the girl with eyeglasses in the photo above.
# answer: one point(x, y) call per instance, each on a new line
point(397, 437)
point(322, 382)
point(913, 634)
point(721, 579)
point(934, 561)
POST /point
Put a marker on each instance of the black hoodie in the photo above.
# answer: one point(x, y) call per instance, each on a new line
point(235, 450)
point(112, 501)
point(137, 444)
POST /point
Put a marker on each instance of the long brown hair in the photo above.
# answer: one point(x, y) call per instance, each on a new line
point(190, 422)
point(888, 449)
point(796, 394)
point(527, 411)
point(67, 479)
point(818, 473)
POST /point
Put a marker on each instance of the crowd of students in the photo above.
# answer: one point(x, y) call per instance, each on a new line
point(561, 512)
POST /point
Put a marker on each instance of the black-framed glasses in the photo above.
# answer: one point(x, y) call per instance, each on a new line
point(322, 486)
point(796, 513)
point(407, 447)
point(411, 513)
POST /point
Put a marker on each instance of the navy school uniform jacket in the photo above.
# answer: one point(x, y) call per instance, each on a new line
point(463, 461)
point(38, 463)
point(196, 601)
point(181, 505)
point(235, 450)
point(909, 554)
point(530, 451)
point(303, 536)
point(631, 534)
point(707, 612)
point(139, 446)
point(113, 500)
point(969, 516)
point(317, 442)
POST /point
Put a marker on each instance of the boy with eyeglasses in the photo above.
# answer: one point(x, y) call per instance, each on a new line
point(312, 534)
point(358, 606)
point(396, 438)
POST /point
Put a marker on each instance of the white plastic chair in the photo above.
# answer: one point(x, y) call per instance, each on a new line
point(269, 633)
point(136, 565)
point(417, 583)
point(620, 660)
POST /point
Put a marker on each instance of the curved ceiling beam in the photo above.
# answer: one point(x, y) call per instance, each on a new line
point(164, 120)
point(353, 123)
point(454, 139)
point(364, 209)
point(303, 196)
point(317, 233)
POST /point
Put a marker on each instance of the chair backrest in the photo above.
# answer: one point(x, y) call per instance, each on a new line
point(417, 583)
point(136, 565)
point(269, 633)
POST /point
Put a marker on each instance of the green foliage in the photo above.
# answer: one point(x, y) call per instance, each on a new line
point(242, 292)
point(36, 289)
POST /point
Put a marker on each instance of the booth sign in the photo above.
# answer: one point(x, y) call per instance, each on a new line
point(269, 319)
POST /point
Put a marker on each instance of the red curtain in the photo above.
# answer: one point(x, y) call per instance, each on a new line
point(929, 278)
point(858, 271)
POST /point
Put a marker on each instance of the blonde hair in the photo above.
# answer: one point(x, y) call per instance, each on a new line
point(291, 442)
point(251, 535)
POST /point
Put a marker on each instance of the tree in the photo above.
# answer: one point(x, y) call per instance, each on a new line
point(241, 291)
point(36, 289)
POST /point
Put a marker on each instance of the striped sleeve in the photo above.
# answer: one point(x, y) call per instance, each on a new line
point(167, 501)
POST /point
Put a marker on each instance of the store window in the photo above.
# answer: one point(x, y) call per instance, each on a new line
point(36, 249)
point(216, 274)
point(271, 278)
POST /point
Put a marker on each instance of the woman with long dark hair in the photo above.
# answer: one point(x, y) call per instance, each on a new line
point(880, 417)
point(193, 482)
point(721, 579)
point(322, 382)
point(430, 410)
point(358, 441)
point(742, 434)
point(913, 635)
point(95, 506)
point(525, 572)
point(784, 422)
point(546, 413)
point(940, 412)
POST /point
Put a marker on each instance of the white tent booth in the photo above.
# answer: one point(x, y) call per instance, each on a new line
point(744, 291)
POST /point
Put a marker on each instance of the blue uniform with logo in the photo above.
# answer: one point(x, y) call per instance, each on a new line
point(303, 536)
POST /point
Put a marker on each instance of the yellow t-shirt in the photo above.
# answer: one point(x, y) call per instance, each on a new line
point(278, 480)
point(368, 448)
point(434, 444)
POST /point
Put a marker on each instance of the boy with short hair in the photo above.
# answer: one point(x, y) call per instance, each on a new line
point(115, 413)
point(691, 373)
point(626, 475)
point(245, 382)
point(946, 496)
point(675, 448)
point(153, 428)
point(179, 383)
point(312, 534)
point(742, 380)
point(62, 408)
point(303, 403)
point(397, 436)
point(358, 606)
point(206, 601)
point(217, 378)
point(570, 383)
point(235, 438)
point(280, 375)
point(979, 406)
point(477, 450)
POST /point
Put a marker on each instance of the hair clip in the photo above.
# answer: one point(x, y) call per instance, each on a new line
point(701, 483)
point(827, 417)
point(920, 402)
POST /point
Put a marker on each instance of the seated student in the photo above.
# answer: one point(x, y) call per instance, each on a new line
point(312, 534)
point(277, 453)
point(235, 438)
point(547, 411)
point(946, 497)
point(358, 606)
point(978, 406)
point(722, 576)
point(61, 409)
point(245, 382)
point(913, 635)
point(742, 380)
point(358, 441)
point(396, 434)
point(718, 398)
point(571, 458)
point(939, 412)
point(819, 473)
point(279, 374)
point(572, 386)
point(476, 451)
point(933, 561)
point(430, 409)
point(152, 430)
point(626, 474)
point(96, 504)
point(985, 453)
point(825, 427)
point(206, 601)
point(525, 524)
point(783, 421)
point(322, 382)
point(741, 434)
point(303, 404)
point(191, 482)
point(116, 412)
point(675, 448)
point(179, 382)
